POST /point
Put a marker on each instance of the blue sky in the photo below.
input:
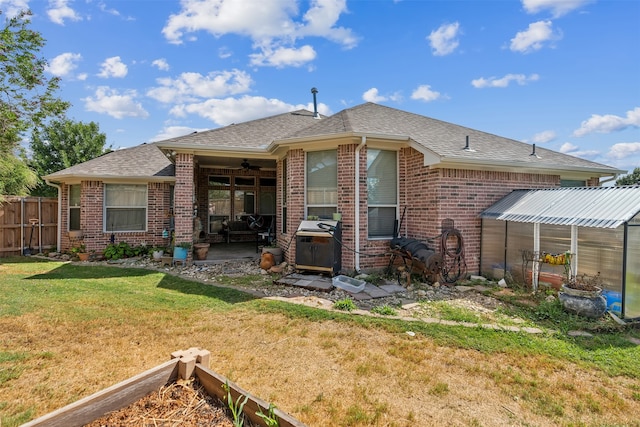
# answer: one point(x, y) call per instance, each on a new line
point(564, 74)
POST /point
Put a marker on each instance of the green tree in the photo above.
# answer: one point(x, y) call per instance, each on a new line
point(26, 99)
point(62, 144)
point(630, 179)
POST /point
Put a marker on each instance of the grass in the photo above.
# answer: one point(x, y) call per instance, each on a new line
point(70, 330)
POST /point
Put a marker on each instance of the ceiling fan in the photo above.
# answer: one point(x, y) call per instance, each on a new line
point(247, 166)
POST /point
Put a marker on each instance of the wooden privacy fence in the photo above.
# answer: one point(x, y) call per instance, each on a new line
point(28, 225)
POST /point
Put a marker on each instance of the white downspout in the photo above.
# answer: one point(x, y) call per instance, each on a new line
point(59, 236)
point(357, 204)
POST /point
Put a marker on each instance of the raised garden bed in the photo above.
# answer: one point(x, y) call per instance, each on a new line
point(185, 367)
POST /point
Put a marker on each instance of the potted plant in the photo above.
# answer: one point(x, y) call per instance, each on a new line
point(157, 252)
point(81, 252)
point(180, 251)
point(582, 294)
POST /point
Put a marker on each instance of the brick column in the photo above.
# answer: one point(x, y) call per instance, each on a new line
point(183, 199)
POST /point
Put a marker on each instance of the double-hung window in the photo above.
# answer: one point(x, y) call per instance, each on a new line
point(322, 183)
point(382, 192)
point(74, 207)
point(125, 207)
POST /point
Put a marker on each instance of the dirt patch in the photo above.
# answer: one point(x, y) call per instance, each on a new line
point(183, 403)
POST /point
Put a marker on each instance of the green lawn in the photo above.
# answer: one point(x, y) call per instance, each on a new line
point(94, 298)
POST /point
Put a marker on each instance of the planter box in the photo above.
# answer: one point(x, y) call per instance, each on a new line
point(183, 365)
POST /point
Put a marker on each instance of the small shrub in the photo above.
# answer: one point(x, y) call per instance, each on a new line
point(384, 310)
point(118, 251)
point(345, 304)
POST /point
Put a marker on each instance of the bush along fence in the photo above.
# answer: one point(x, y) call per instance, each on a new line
point(28, 225)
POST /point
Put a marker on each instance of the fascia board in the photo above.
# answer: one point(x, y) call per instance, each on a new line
point(293, 142)
point(528, 167)
point(76, 179)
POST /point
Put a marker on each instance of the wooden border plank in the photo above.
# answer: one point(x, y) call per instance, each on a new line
point(110, 399)
point(214, 383)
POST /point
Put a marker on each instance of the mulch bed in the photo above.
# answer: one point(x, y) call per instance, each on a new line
point(184, 403)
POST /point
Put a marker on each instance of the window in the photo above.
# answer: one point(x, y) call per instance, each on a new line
point(219, 209)
point(267, 200)
point(74, 207)
point(244, 203)
point(382, 192)
point(322, 183)
point(125, 207)
point(572, 183)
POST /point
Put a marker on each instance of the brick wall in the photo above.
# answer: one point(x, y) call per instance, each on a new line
point(184, 199)
point(428, 196)
point(92, 223)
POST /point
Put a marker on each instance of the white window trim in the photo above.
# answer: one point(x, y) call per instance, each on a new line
point(306, 190)
point(396, 205)
point(145, 207)
point(69, 207)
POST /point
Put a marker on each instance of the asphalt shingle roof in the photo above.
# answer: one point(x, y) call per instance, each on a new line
point(248, 135)
point(141, 161)
point(446, 140)
point(443, 139)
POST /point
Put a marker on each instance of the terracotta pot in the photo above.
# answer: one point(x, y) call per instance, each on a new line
point(83, 256)
point(276, 252)
point(200, 251)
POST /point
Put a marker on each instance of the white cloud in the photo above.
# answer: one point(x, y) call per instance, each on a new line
point(161, 64)
point(609, 123)
point(270, 24)
point(189, 87)
point(372, 95)
point(113, 67)
point(224, 52)
point(557, 7)
point(534, 37)
point(63, 64)
point(520, 79)
point(573, 150)
point(424, 93)
point(237, 110)
point(568, 147)
point(544, 137)
point(283, 56)
point(624, 150)
point(175, 131)
point(110, 101)
point(11, 8)
point(444, 40)
point(59, 10)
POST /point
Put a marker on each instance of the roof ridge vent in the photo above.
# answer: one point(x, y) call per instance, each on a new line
point(467, 147)
point(314, 91)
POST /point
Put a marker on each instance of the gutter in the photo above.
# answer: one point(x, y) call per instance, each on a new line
point(357, 204)
point(59, 236)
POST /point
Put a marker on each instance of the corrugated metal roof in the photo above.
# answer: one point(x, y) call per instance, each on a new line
point(601, 207)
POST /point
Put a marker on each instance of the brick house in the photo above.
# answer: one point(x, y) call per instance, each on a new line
point(371, 163)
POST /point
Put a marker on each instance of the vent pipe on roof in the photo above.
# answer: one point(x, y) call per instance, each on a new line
point(533, 153)
point(315, 103)
point(467, 147)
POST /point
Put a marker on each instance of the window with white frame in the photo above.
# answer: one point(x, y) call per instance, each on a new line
point(382, 192)
point(322, 183)
point(125, 207)
point(74, 207)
